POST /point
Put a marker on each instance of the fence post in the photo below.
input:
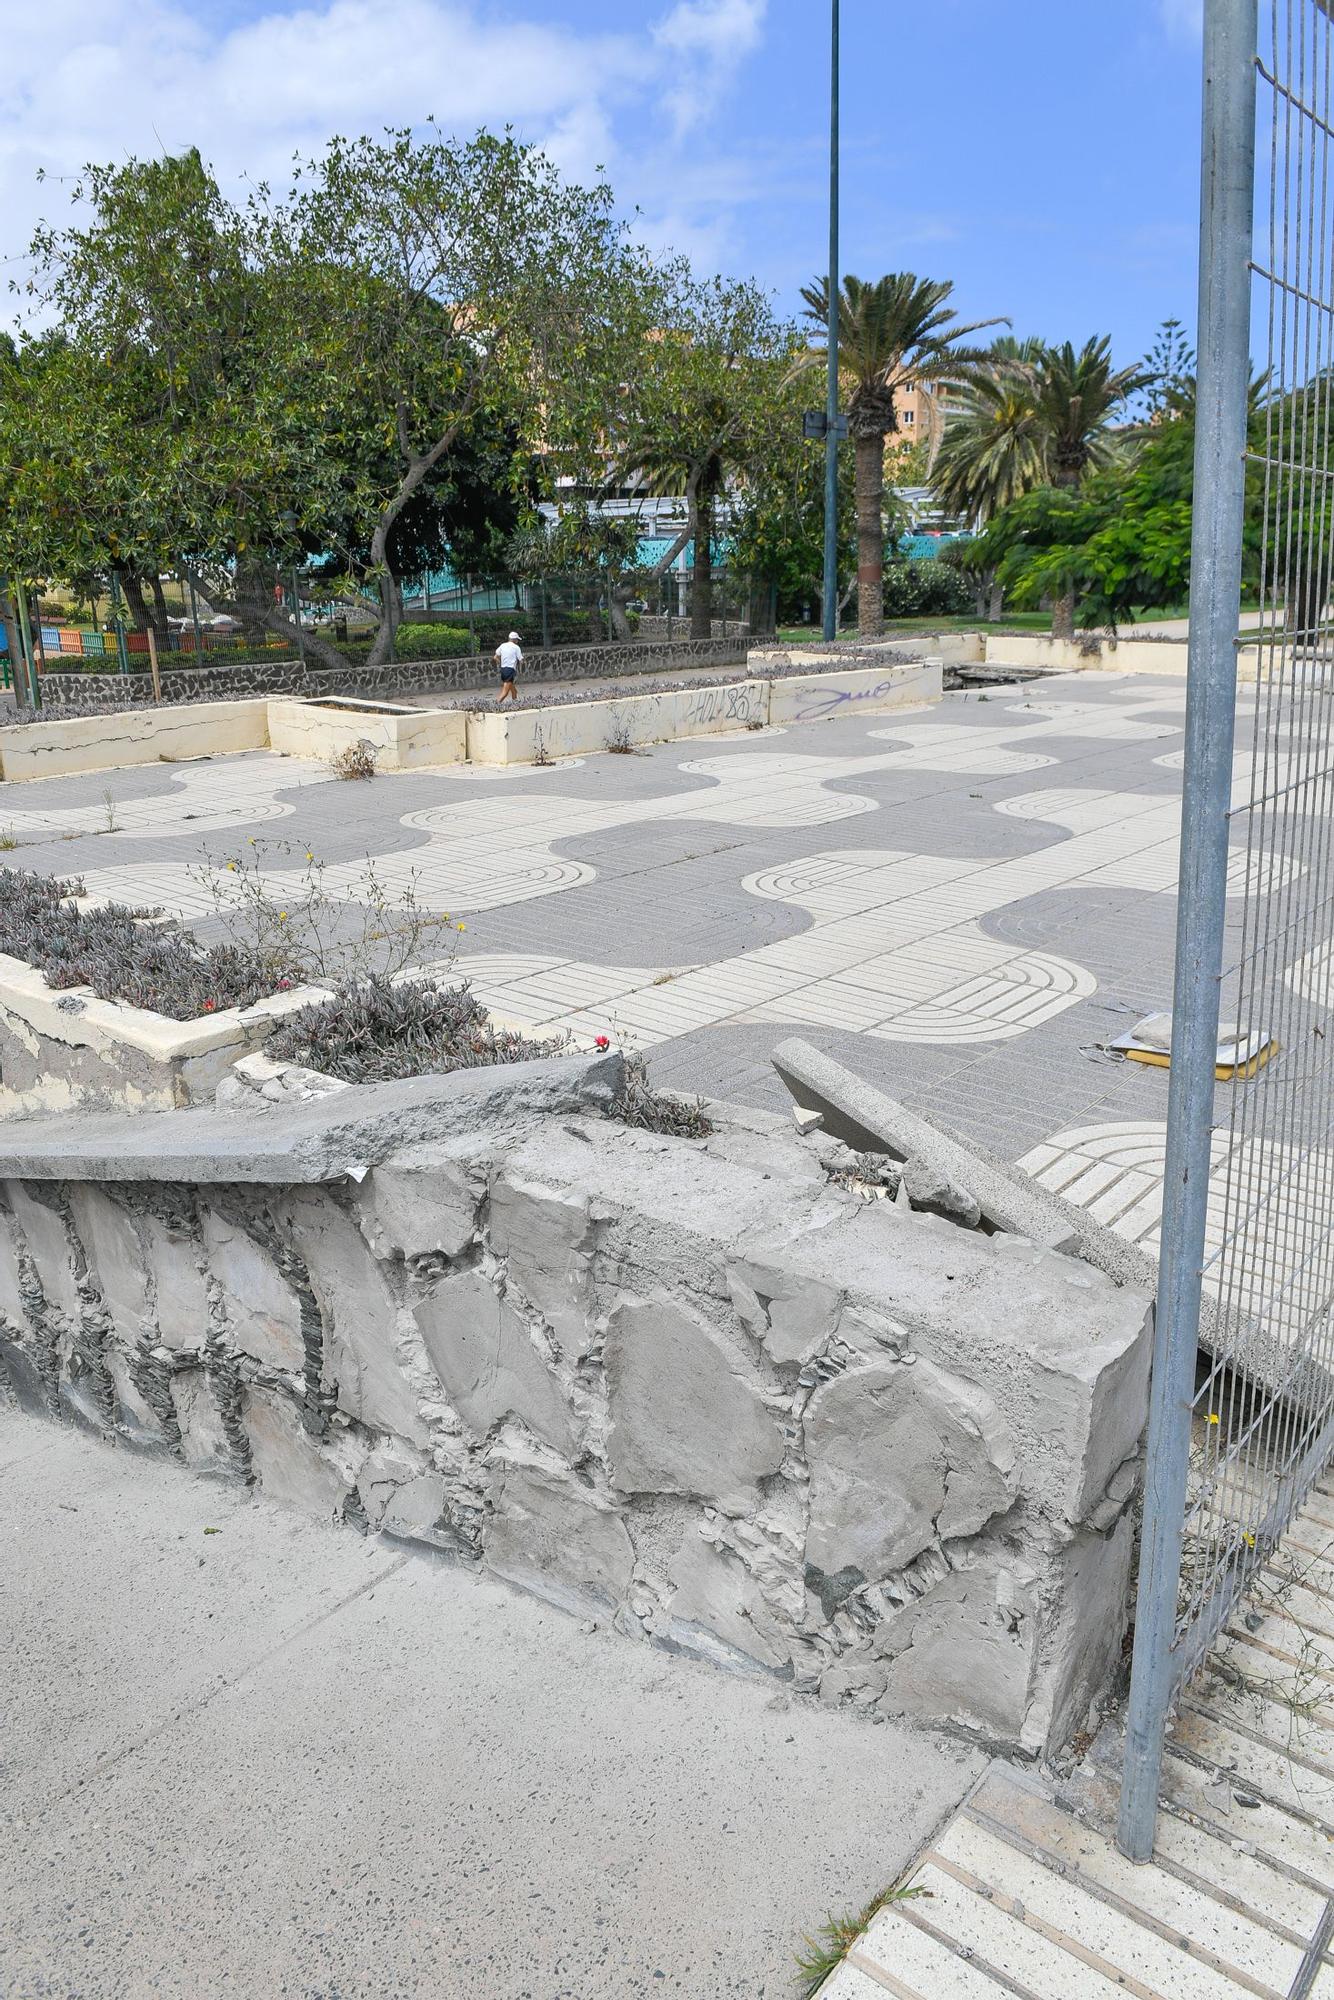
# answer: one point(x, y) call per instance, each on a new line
point(1226, 195)
point(29, 656)
point(152, 664)
point(194, 617)
point(118, 620)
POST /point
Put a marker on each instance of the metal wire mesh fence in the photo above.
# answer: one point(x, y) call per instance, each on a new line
point(1242, 1419)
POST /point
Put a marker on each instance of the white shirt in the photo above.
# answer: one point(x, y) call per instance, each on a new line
point(510, 655)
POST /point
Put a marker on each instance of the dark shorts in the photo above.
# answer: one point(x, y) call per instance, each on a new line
point(508, 673)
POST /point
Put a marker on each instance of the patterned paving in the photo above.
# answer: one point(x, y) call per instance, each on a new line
point(1024, 1896)
point(1116, 1171)
point(920, 894)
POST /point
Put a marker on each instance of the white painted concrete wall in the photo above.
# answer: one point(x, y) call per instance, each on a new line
point(62, 749)
point(869, 691)
point(577, 728)
point(1125, 655)
point(402, 741)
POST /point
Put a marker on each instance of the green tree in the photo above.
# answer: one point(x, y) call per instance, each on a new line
point(707, 411)
point(1120, 542)
point(462, 276)
point(177, 400)
point(994, 446)
point(777, 531)
point(895, 334)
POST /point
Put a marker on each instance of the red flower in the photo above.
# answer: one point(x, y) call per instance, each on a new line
point(209, 1005)
point(602, 1042)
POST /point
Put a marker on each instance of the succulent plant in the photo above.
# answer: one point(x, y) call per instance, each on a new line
point(122, 953)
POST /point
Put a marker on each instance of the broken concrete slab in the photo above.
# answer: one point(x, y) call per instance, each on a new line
point(331, 1138)
point(866, 1119)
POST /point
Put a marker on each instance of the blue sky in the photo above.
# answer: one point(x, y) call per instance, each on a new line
point(1044, 156)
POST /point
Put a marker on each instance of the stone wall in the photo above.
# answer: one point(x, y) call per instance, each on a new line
point(75, 692)
point(709, 1391)
point(657, 625)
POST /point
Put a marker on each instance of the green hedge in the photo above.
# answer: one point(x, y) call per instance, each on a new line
point(921, 589)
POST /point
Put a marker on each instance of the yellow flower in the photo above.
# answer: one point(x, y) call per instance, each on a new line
point(282, 916)
point(1249, 1541)
point(463, 927)
point(231, 867)
point(1214, 1418)
point(310, 857)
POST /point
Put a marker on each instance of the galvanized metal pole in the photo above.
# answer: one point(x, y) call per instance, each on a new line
point(29, 655)
point(1227, 191)
point(118, 620)
point(831, 372)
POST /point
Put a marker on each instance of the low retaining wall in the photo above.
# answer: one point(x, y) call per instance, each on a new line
point(868, 691)
point(103, 692)
point(579, 728)
point(69, 1050)
point(412, 738)
point(696, 1388)
point(403, 739)
point(656, 625)
point(1096, 653)
point(65, 746)
point(515, 736)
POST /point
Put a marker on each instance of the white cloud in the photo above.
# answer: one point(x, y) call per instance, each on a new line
point(704, 41)
point(99, 80)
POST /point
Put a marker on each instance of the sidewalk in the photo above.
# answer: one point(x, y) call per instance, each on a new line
point(248, 1754)
point(1025, 1894)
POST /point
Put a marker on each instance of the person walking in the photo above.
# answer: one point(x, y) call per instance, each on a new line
point(509, 658)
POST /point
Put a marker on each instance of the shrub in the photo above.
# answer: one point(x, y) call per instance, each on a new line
point(925, 589)
point(432, 642)
point(657, 1110)
point(354, 760)
point(378, 1030)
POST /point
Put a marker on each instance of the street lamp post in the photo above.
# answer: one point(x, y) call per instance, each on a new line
point(831, 380)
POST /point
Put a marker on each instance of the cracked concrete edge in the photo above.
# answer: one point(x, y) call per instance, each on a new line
point(866, 1119)
point(329, 1138)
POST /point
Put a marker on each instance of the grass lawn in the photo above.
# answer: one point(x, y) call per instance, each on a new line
point(1012, 621)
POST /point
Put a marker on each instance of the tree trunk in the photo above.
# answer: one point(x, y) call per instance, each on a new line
point(701, 594)
point(870, 536)
point(273, 617)
point(140, 615)
point(1306, 599)
point(161, 619)
point(254, 597)
point(1063, 616)
point(995, 601)
point(391, 617)
point(620, 624)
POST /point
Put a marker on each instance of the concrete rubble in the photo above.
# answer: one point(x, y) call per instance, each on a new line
point(882, 1450)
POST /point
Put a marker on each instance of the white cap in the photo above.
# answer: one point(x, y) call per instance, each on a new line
point(515, 637)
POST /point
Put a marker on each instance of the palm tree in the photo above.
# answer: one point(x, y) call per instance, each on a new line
point(994, 446)
point(896, 334)
point(1078, 395)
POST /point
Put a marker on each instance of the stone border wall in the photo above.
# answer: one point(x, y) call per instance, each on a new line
point(84, 693)
point(657, 625)
point(703, 1390)
point(67, 745)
